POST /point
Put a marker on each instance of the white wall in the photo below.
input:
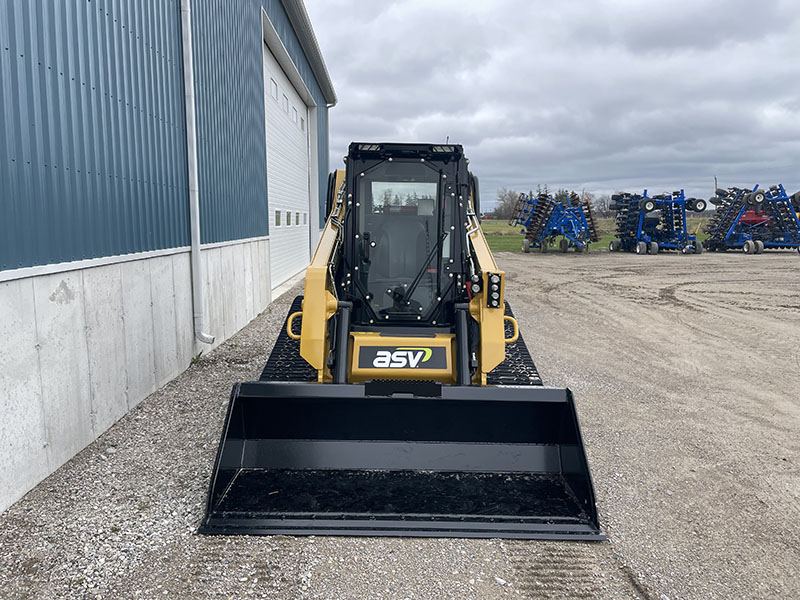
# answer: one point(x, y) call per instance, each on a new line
point(83, 347)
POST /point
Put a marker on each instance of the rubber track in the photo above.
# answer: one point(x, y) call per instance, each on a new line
point(518, 367)
point(285, 363)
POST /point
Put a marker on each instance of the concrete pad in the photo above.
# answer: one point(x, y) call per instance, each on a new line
point(238, 292)
point(215, 308)
point(226, 282)
point(164, 340)
point(266, 286)
point(23, 459)
point(137, 311)
point(184, 310)
point(59, 303)
point(255, 262)
point(249, 282)
point(105, 338)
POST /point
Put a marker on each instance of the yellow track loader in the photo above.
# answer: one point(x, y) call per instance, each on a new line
point(400, 398)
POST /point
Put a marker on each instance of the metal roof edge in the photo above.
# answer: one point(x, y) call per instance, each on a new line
point(296, 10)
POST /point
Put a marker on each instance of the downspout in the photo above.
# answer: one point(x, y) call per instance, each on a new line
point(191, 163)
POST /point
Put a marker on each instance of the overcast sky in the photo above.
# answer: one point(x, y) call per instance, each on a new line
point(601, 96)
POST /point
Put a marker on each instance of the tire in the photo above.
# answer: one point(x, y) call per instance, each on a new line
point(796, 201)
point(526, 245)
point(720, 192)
point(759, 246)
point(698, 248)
point(543, 248)
point(652, 248)
point(613, 246)
point(641, 248)
point(563, 244)
point(685, 250)
point(749, 247)
point(715, 201)
point(647, 205)
point(758, 197)
point(699, 205)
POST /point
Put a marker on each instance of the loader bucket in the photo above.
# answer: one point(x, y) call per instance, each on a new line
point(431, 461)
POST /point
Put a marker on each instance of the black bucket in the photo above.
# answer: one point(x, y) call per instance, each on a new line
point(435, 461)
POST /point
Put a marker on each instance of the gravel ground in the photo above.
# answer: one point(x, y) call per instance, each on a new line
point(685, 372)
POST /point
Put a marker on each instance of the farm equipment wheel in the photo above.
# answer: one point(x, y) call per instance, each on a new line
point(647, 205)
point(526, 245)
point(543, 247)
point(652, 248)
point(563, 244)
point(641, 248)
point(699, 205)
point(758, 197)
point(613, 246)
point(759, 246)
point(698, 248)
point(749, 247)
point(715, 201)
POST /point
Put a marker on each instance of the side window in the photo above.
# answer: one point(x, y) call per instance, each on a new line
point(285, 104)
point(277, 218)
point(294, 114)
point(273, 89)
point(302, 124)
point(288, 217)
point(297, 218)
point(305, 218)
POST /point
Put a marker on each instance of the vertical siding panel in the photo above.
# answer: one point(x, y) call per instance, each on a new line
point(92, 148)
point(92, 145)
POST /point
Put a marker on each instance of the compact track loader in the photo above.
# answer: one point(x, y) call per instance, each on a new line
point(400, 398)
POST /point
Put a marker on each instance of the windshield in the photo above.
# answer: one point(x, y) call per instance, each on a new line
point(400, 236)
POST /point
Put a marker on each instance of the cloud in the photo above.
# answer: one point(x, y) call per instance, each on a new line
point(599, 96)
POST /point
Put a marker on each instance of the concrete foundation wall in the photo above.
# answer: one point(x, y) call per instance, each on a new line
point(83, 347)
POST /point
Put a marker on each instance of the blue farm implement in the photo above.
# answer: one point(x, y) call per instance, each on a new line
point(754, 220)
point(648, 225)
point(544, 220)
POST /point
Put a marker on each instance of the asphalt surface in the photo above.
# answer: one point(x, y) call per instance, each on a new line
point(686, 374)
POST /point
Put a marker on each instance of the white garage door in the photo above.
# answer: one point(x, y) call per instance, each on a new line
point(287, 174)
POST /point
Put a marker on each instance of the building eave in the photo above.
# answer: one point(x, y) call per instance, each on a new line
point(301, 22)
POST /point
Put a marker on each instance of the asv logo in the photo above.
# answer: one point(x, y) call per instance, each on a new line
point(401, 358)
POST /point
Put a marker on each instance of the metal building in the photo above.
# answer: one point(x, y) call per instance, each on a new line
point(162, 166)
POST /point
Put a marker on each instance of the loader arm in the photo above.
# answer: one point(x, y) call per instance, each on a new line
point(320, 301)
point(492, 349)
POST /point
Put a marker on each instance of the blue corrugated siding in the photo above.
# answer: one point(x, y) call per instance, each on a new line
point(229, 88)
point(229, 94)
point(92, 136)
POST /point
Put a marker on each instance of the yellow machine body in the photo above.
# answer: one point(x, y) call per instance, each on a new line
point(320, 304)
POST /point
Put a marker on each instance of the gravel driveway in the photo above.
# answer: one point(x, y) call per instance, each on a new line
point(686, 373)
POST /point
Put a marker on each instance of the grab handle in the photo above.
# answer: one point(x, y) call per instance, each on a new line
point(289, 322)
point(513, 321)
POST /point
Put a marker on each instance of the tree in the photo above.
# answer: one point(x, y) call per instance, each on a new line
point(506, 202)
point(602, 206)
